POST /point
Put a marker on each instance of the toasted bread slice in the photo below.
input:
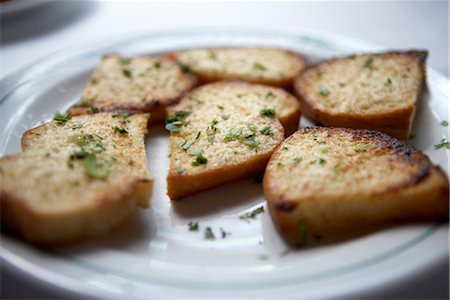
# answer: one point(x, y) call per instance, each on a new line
point(141, 84)
point(222, 132)
point(329, 180)
point(276, 67)
point(76, 179)
point(371, 91)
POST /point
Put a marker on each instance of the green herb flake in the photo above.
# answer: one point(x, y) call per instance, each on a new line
point(252, 214)
point(268, 112)
point(388, 82)
point(297, 160)
point(444, 123)
point(225, 117)
point(95, 168)
point(209, 234)
point(324, 91)
point(186, 69)
point(233, 134)
point(157, 65)
point(61, 119)
point(224, 233)
point(270, 95)
point(303, 232)
point(250, 141)
point(196, 151)
point(285, 148)
point(266, 130)
point(175, 121)
point(259, 66)
point(200, 160)
point(95, 109)
point(188, 144)
point(321, 161)
point(127, 73)
point(369, 63)
point(172, 127)
point(220, 107)
point(119, 129)
point(193, 226)
point(363, 148)
point(443, 144)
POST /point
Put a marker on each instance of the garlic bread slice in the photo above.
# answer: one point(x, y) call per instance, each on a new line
point(331, 180)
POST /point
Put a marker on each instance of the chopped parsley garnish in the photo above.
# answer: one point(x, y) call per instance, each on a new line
point(193, 226)
point(321, 161)
point(186, 69)
point(233, 134)
point(250, 141)
point(225, 117)
point(119, 129)
point(369, 63)
point(127, 73)
point(297, 160)
point(95, 168)
point(259, 66)
point(196, 151)
point(267, 112)
point(270, 95)
point(95, 109)
point(388, 82)
point(325, 149)
point(174, 122)
point(303, 231)
point(180, 170)
point(200, 160)
point(266, 130)
point(61, 119)
point(211, 131)
point(209, 234)
point(285, 148)
point(443, 144)
point(252, 214)
point(363, 148)
point(186, 144)
point(444, 123)
point(324, 91)
point(220, 107)
point(224, 233)
point(157, 65)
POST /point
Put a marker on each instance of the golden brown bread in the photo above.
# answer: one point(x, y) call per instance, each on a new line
point(225, 131)
point(76, 178)
point(140, 84)
point(270, 66)
point(332, 180)
point(373, 91)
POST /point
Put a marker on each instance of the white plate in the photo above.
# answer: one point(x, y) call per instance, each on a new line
point(155, 256)
point(18, 6)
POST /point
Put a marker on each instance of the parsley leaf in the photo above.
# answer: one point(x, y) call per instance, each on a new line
point(193, 226)
point(119, 129)
point(61, 119)
point(444, 123)
point(175, 121)
point(259, 66)
point(209, 234)
point(324, 91)
point(443, 144)
point(95, 168)
point(266, 130)
point(268, 112)
point(200, 160)
point(180, 170)
point(252, 214)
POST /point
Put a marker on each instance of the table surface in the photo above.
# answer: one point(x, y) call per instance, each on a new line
point(32, 34)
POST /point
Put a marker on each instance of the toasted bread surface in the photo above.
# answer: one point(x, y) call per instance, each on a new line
point(141, 84)
point(373, 91)
point(76, 179)
point(271, 66)
point(336, 180)
point(222, 135)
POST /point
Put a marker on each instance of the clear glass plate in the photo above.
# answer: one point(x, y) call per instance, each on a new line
point(155, 256)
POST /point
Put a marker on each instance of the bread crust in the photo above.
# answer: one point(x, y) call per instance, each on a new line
point(396, 122)
point(421, 195)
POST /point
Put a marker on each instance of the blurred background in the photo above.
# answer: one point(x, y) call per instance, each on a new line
point(30, 30)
